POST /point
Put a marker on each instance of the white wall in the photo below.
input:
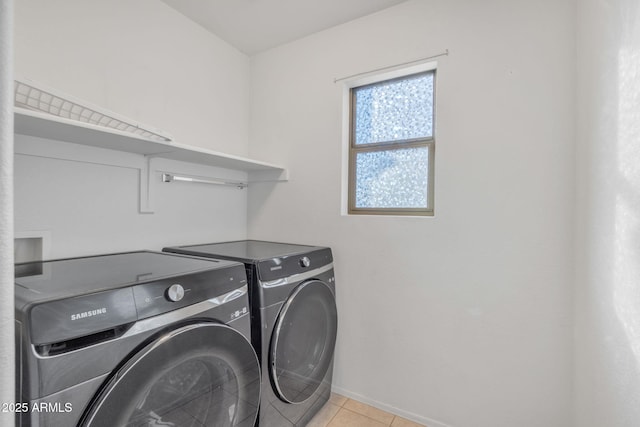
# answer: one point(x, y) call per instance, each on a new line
point(145, 61)
point(607, 368)
point(464, 319)
point(141, 59)
point(7, 323)
point(91, 206)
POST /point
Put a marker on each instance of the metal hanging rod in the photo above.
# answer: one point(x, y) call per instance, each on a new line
point(391, 67)
point(167, 177)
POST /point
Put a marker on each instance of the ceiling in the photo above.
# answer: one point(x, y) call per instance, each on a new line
point(253, 26)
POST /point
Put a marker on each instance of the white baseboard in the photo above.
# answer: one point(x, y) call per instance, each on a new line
point(391, 409)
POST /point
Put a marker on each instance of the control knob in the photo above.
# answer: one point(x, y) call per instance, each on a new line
point(175, 292)
point(305, 262)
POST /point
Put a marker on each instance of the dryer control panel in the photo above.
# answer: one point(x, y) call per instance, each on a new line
point(161, 296)
point(285, 266)
point(56, 322)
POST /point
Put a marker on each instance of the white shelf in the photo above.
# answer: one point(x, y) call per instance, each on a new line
point(33, 123)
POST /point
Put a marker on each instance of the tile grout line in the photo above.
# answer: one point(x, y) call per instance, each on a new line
point(343, 406)
point(366, 416)
point(393, 416)
point(334, 415)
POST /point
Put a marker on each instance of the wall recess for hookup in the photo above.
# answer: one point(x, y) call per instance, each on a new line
point(31, 246)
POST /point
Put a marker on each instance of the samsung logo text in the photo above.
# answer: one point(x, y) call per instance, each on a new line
point(89, 313)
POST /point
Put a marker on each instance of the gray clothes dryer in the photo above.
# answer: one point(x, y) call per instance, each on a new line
point(294, 323)
point(134, 339)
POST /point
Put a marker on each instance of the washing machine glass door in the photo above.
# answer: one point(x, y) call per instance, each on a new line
point(203, 374)
point(303, 341)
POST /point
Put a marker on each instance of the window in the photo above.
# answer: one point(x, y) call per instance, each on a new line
point(391, 146)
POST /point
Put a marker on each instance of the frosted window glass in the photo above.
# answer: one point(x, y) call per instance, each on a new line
point(394, 110)
point(392, 178)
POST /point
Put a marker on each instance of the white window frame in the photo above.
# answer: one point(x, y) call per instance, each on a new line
point(348, 167)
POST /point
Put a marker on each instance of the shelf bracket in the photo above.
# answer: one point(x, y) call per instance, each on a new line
point(147, 186)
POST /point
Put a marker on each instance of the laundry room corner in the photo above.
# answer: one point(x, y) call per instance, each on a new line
point(303, 213)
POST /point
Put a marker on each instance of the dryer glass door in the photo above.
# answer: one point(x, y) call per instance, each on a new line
point(203, 374)
point(303, 341)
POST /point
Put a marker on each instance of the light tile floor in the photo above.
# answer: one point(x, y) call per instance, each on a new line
point(344, 412)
